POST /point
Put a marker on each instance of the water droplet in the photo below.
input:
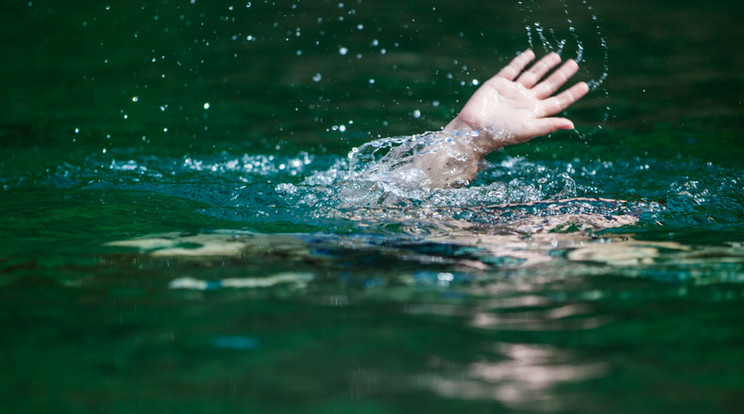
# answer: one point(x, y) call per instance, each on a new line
point(317, 77)
point(445, 277)
point(343, 51)
point(417, 114)
point(135, 98)
point(206, 105)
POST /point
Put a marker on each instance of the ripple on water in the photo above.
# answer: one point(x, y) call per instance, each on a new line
point(374, 188)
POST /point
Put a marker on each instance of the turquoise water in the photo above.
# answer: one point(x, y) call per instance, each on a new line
point(183, 228)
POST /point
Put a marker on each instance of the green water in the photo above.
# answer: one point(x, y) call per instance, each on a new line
point(261, 279)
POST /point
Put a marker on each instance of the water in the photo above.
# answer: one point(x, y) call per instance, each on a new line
point(194, 218)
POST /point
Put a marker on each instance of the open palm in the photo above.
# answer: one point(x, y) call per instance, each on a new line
point(518, 104)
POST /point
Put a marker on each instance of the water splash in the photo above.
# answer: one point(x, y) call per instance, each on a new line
point(565, 36)
point(375, 188)
point(378, 185)
point(577, 35)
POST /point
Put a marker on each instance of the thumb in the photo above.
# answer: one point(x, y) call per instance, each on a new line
point(545, 126)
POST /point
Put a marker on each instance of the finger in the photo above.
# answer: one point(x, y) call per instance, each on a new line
point(530, 77)
point(517, 65)
point(563, 100)
point(556, 79)
point(545, 126)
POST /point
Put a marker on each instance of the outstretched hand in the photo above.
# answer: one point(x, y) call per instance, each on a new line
point(518, 104)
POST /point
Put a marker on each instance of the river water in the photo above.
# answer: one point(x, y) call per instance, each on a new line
point(192, 217)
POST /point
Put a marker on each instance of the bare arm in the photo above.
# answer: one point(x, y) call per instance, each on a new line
point(516, 105)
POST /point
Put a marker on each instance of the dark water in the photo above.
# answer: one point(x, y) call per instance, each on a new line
point(183, 231)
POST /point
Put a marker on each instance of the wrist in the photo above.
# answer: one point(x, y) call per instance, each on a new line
point(459, 124)
point(482, 140)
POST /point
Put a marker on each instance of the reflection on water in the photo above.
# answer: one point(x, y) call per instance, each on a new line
point(523, 376)
point(463, 318)
point(515, 252)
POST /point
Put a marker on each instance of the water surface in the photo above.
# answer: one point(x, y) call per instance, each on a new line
point(184, 230)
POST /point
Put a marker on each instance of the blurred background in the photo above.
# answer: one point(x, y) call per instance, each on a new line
point(290, 73)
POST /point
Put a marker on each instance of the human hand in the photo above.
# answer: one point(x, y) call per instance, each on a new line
point(517, 105)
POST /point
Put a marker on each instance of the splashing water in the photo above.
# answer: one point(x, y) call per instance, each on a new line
point(374, 187)
point(563, 36)
point(382, 173)
point(378, 184)
point(553, 39)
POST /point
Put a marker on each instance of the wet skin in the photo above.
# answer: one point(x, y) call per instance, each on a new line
point(515, 106)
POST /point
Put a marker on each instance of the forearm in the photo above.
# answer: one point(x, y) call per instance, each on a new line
point(452, 161)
